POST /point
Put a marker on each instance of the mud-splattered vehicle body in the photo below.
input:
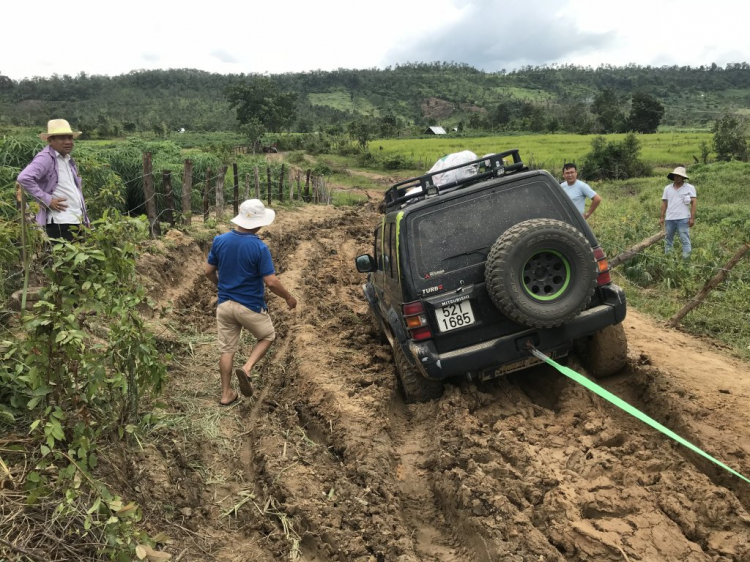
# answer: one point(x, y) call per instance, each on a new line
point(466, 276)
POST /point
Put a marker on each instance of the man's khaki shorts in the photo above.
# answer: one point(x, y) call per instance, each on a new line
point(231, 317)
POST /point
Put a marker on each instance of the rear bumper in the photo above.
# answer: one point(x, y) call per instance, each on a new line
point(492, 354)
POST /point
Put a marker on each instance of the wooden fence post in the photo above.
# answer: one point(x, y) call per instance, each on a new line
point(236, 189)
point(21, 202)
point(307, 185)
point(630, 252)
point(166, 181)
point(268, 191)
point(708, 287)
point(220, 193)
point(187, 192)
point(206, 187)
point(299, 184)
point(281, 184)
point(148, 193)
point(257, 183)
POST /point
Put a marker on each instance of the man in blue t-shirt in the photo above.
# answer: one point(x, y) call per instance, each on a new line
point(239, 264)
point(578, 191)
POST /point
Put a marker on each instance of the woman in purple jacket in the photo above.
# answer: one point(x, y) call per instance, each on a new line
point(52, 179)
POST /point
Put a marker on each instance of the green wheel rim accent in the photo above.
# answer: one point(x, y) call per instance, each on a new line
point(546, 275)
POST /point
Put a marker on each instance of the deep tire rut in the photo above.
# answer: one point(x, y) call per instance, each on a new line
point(527, 467)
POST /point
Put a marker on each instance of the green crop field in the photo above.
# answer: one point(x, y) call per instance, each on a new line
point(657, 284)
point(343, 101)
point(661, 285)
point(549, 151)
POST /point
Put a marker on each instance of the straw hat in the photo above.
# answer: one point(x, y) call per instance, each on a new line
point(678, 171)
point(58, 127)
point(253, 214)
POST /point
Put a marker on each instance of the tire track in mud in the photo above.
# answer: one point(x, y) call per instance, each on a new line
point(564, 477)
point(527, 467)
point(346, 403)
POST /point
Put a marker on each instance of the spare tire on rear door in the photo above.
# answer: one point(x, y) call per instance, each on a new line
point(541, 273)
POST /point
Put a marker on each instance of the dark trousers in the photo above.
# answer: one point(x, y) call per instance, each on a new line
point(64, 231)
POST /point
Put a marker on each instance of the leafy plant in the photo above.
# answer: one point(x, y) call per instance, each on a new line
point(614, 160)
point(72, 388)
point(730, 138)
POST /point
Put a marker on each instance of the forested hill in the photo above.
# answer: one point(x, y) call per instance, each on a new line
point(446, 94)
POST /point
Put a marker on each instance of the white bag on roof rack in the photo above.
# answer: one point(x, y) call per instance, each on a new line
point(450, 160)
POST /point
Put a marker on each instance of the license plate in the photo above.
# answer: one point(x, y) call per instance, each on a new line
point(454, 316)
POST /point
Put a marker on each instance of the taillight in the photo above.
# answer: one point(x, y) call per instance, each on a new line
point(603, 269)
point(416, 320)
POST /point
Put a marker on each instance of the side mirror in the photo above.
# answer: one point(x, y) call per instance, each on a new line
point(365, 263)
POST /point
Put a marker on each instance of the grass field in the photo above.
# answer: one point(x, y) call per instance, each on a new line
point(660, 284)
point(546, 151)
point(655, 283)
point(342, 101)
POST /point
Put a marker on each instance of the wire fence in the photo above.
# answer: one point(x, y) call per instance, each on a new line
point(309, 188)
point(697, 270)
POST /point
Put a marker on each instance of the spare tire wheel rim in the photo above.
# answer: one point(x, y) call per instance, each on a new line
point(546, 275)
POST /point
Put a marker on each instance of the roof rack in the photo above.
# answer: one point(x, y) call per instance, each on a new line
point(491, 166)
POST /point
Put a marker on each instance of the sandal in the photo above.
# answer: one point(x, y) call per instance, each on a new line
point(232, 401)
point(246, 386)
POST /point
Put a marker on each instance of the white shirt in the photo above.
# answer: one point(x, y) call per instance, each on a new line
point(678, 201)
point(67, 188)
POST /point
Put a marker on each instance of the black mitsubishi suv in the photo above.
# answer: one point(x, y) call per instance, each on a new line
point(467, 276)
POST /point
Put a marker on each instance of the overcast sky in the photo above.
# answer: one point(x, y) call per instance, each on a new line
point(41, 38)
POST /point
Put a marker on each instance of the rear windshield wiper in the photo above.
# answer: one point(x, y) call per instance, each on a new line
point(468, 253)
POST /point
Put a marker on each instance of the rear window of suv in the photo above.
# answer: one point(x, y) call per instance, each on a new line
point(458, 233)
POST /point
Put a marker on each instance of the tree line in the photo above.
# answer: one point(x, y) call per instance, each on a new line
point(403, 98)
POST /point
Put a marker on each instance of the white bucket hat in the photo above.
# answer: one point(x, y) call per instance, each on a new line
point(678, 171)
point(254, 214)
point(58, 127)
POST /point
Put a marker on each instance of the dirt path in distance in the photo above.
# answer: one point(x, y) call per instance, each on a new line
point(328, 463)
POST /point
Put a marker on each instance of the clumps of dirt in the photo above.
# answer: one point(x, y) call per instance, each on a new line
point(680, 410)
point(326, 462)
point(169, 265)
point(575, 480)
point(197, 307)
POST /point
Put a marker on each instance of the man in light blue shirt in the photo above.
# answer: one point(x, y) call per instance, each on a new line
point(579, 191)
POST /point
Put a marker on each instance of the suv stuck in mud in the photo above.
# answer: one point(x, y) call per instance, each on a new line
point(466, 276)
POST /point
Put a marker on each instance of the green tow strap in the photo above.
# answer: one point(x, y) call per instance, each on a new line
point(580, 379)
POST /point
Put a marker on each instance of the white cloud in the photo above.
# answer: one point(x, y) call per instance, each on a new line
point(223, 56)
point(299, 35)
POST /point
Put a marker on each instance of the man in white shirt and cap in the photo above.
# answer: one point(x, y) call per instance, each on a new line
point(678, 210)
point(52, 179)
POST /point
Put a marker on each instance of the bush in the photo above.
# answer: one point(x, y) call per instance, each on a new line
point(69, 391)
point(730, 138)
point(398, 162)
point(614, 160)
point(322, 168)
point(296, 157)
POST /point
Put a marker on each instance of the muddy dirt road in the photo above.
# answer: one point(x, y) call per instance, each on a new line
point(326, 462)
